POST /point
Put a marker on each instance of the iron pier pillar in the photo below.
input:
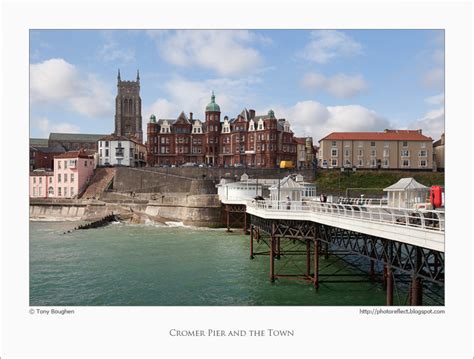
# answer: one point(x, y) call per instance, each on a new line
point(251, 241)
point(316, 264)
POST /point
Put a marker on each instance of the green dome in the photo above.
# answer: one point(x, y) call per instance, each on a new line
point(153, 118)
point(271, 114)
point(213, 106)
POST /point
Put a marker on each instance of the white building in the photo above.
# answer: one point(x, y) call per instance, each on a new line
point(292, 187)
point(122, 151)
point(406, 193)
point(238, 191)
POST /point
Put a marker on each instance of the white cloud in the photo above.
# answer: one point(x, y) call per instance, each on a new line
point(432, 123)
point(193, 96)
point(227, 52)
point(311, 118)
point(59, 83)
point(434, 78)
point(436, 99)
point(328, 44)
point(112, 52)
point(45, 127)
point(340, 85)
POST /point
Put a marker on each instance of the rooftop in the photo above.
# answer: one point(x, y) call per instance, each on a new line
point(73, 154)
point(76, 137)
point(387, 135)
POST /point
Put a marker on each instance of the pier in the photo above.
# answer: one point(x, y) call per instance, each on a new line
point(398, 245)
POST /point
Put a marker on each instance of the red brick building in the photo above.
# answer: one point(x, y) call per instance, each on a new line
point(248, 140)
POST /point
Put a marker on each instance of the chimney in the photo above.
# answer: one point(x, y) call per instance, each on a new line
point(190, 115)
point(419, 131)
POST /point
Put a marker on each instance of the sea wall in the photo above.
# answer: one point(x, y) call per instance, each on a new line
point(197, 210)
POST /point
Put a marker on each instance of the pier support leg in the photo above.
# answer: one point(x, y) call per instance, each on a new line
point(389, 285)
point(245, 223)
point(416, 292)
point(278, 248)
point(316, 265)
point(326, 250)
point(228, 219)
point(308, 258)
point(385, 275)
point(272, 259)
point(251, 241)
point(372, 270)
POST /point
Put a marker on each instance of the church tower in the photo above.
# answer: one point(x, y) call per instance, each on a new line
point(128, 109)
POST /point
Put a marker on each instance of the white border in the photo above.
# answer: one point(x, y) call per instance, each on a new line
point(321, 331)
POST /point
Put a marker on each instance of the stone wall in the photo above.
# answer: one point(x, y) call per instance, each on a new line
point(216, 173)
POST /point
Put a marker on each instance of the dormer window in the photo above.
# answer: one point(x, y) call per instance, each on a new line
point(260, 126)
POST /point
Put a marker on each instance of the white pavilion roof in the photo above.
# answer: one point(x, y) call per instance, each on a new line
point(406, 184)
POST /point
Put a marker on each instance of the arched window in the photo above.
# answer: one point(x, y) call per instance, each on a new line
point(51, 190)
point(125, 103)
point(130, 106)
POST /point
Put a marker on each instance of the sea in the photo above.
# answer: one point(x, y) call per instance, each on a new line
point(176, 265)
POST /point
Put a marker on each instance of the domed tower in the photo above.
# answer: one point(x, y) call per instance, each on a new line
point(152, 140)
point(212, 130)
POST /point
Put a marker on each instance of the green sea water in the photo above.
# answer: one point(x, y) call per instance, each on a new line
point(148, 265)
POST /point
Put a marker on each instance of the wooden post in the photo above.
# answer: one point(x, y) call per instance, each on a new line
point(316, 264)
point(272, 254)
point(251, 241)
point(308, 258)
point(389, 285)
point(245, 222)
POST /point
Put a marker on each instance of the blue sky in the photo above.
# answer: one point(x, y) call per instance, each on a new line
point(321, 80)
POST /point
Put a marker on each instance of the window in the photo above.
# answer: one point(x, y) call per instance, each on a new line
point(334, 152)
point(34, 191)
point(65, 164)
point(106, 153)
point(65, 177)
point(119, 161)
point(423, 145)
point(34, 179)
point(386, 152)
point(85, 163)
point(406, 163)
point(347, 153)
point(50, 179)
point(333, 143)
point(405, 143)
point(65, 191)
point(372, 144)
point(72, 177)
point(360, 153)
point(59, 192)
point(59, 165)
point(347, 163)
point(423, 163)
point(51, 191)
point(385, 162)
point(373, 153)
point(422, 153)
point(59, 177)
point(106, 143)
point(119, 144)
point(405, 153)
point(40, 179)
point(40, 191)
point(386, 144)
point(72, 191)
point(334, 162)
point(360, 163)
point(373, 162)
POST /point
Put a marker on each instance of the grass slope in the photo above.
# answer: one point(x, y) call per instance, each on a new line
point(335, 182)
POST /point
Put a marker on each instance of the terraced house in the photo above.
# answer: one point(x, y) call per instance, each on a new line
point(246, 140)
point(390, 149)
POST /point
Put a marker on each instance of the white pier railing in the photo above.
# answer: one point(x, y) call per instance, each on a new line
point(423, 219)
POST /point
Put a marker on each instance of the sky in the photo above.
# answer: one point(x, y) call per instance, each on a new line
point(322, 81)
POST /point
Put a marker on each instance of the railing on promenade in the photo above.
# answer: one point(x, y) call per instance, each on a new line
point(424, 219)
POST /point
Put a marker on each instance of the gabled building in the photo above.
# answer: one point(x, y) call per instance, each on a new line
point(390, 149)
point(246, 140)
point(121, 151)
point(438, 154)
